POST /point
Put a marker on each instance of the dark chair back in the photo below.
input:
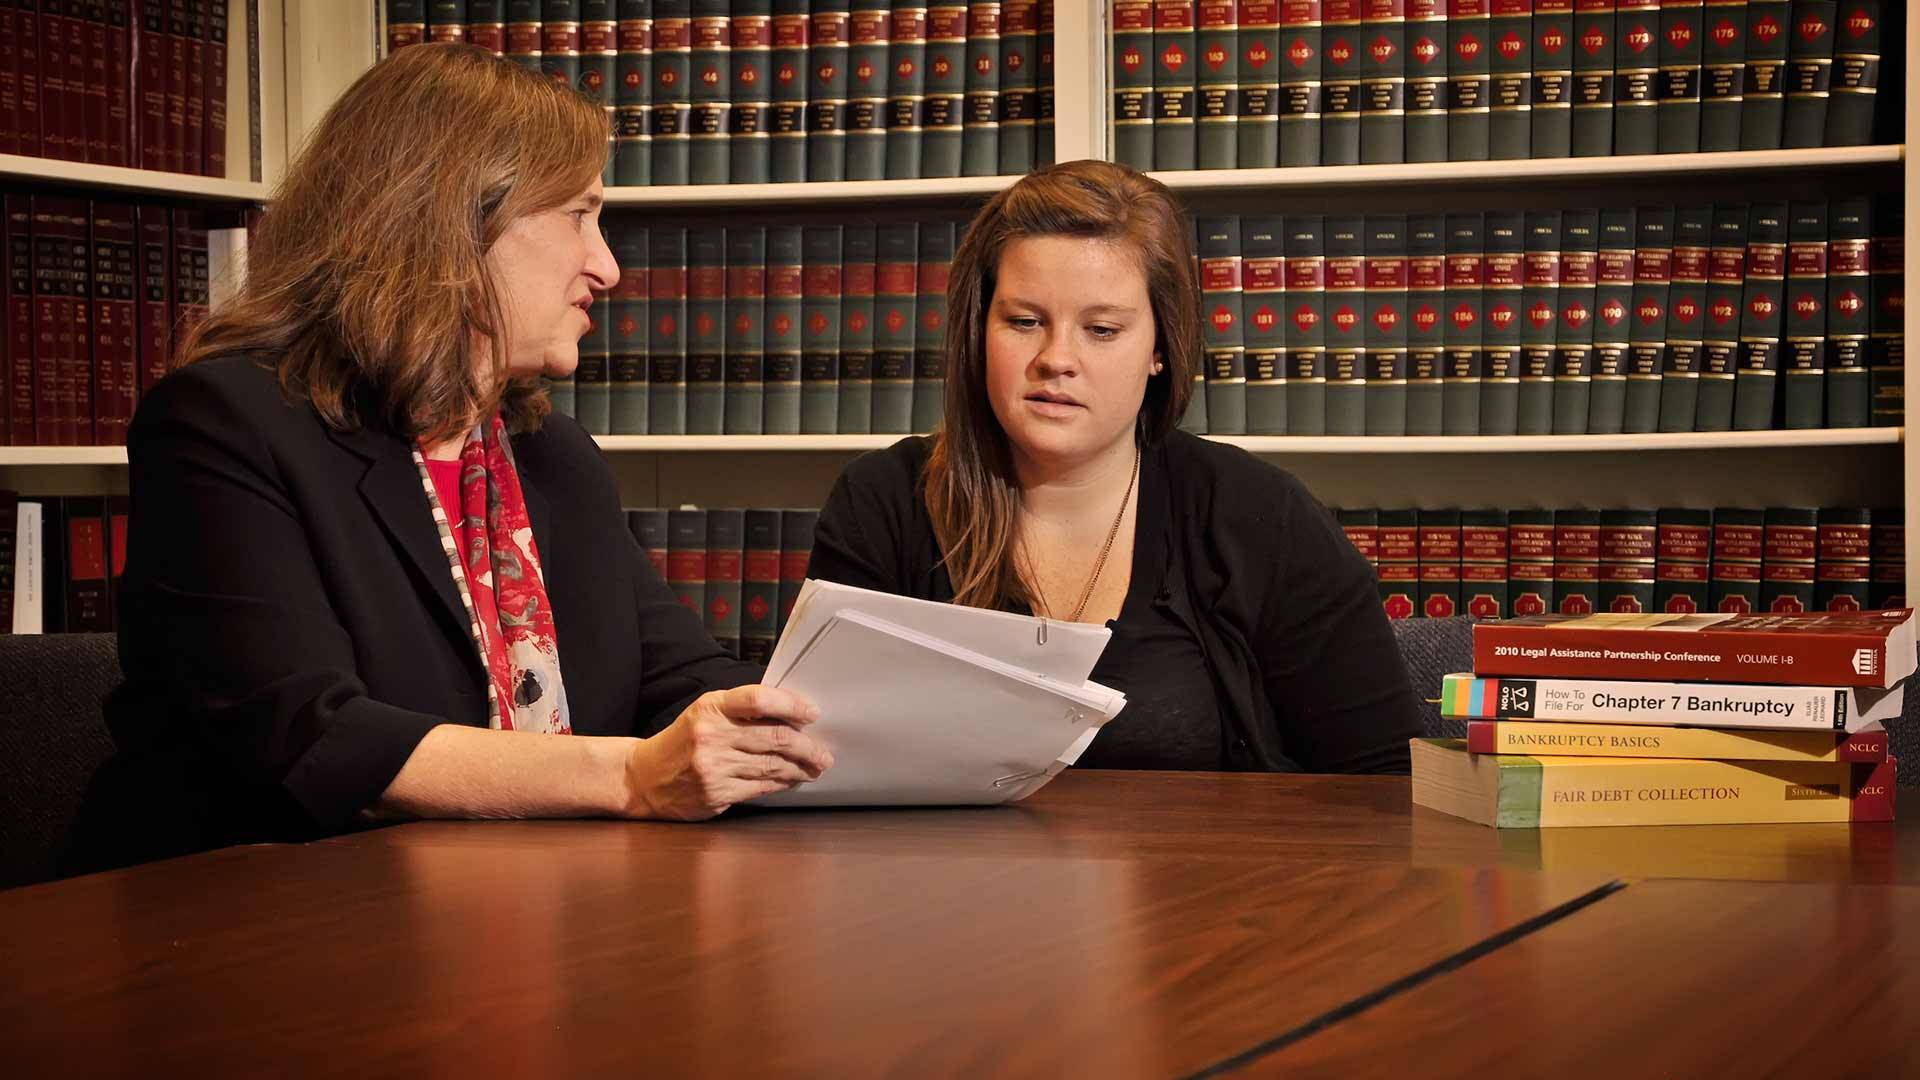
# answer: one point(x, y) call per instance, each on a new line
point(52, 738)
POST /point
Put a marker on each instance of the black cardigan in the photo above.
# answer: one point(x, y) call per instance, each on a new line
point(1285, 610)
point(290, 629)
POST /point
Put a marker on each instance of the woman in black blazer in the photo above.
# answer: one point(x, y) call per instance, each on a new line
point(369, 577)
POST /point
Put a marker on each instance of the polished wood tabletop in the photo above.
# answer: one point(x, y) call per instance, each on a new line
point(1144, 924)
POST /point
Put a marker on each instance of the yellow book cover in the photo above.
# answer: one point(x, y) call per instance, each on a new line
point(1654, 741)
point(1527, 792)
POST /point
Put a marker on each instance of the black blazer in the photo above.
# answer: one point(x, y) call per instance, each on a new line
point(290, 628)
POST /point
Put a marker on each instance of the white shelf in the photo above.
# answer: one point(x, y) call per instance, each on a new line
point(142, 181)
point(63, 455)
point(828, 192)
point(1510, 172)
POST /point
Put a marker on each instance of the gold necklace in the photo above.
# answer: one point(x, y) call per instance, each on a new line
point(1107, 548)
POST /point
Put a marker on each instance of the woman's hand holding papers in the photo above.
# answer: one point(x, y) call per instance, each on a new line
point(727, 747)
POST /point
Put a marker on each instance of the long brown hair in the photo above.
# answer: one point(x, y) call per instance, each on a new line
point(367, 274)
point(970, 487)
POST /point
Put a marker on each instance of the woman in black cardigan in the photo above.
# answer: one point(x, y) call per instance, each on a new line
point(1247, 633)
point(369, 577)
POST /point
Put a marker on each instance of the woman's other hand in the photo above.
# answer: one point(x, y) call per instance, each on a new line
point(727, 747)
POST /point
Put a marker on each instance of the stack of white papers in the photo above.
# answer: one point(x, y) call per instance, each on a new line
point(926, 704)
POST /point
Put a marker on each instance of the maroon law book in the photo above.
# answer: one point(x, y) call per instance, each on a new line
point(9, 82)
point(177, 85)
point(77, 383)
point(90, 18)
point(19, 311)
point(49, 317)
point(150, 84)
point(155, 270)
point(119, 84)
point(115, 314)
point(190, 272)
point(214, 160)
point(26, 51)
point(194, 132)
point(62, 88)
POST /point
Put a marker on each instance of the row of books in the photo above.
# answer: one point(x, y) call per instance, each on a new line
point(759, 91)
point(61, 558)
point(94, 294)
point(1220, 84)
point(740, 569)
point(775, 329)
point(138, 83)
point(1672, 720)
point(1496, 564)
point(1697, 318)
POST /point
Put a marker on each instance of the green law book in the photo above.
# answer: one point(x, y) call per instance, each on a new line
point(687, 558)
point(1019, 86)
point(1809, 73)
point(1264, 322)
point(1552, 90)
point(710, 90)
point(726, 558)
point(1763, 100)
point(1398, 567)
point(1856, 74)
point(1427, 80)
point(1850, 235)
point(1756, 384)
point(667, 337)
point(1346, 301)
point(1465, 314)
point(1306, 325)
point(592, 404)
point(787, 124)
point(1510, 87)
point(796, 547)
point(1683, 547)
point(1439, 547)
point(1044, 141)
point(1593, 78)
point(1647, 337)
point(1194, 418)
point(1383, 84)
point(628, 368)
point(1133, 67)
point(1220, 325)
point(781, 380)
point(599, 63)
point(1803, 359)
point(1629, 540)
point(1539, 321)
point(1342, 59)
point(1469, 82)
point(1738, 543)
point(980, 137)
point(1682, 48)
point(1886, 348)
point(406, 23)
point(895, 289)
point(1301, 94)
point(930, 336)
point(559, 36)
point(649, 528)
point(706, 331)
point(1385, 331)
point(1505, 262)
point(1426, 346)
point(750, 117)
point(670, 116)
point(820, 330)
point(906, 92)
point(523, 34)
point(1483, 563)
point(1573, 338)
point(1530, 567)
point(1686, 318)
point(1173, 85)
point(868, 59)
point(633, 94)
point(946, 101)
point(1636, 78)
point(1612, 323)
point(858, 268)
point(1843, 581)
point(1217, 93)
point(1726, 281)
point(746, 329)
point(1790, 558)
point(1723, 74)
point(827, 49)
point(1576, 561)
point(760, 586)
point(1257, 99)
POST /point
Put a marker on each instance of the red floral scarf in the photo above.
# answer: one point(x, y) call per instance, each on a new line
point(500, 572)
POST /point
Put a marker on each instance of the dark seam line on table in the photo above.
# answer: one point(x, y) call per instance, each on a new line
point(1407, 982)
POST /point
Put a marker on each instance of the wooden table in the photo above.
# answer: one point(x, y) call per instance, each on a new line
point(1116, 924)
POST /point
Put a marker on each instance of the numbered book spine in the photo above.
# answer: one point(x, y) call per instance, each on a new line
point(672, 103)
point(1850, 236)
point(787, 145)
point(1540, 320)
point(1856, 73)
point(1726, 281)
point(827, 54)
point(117, 58)
point(746, 330)
point(1220, 325)
point(1019, 86)
point(487, 25)
point(1804, 358)
point(1511, 86)
point(783, 330)
point(1439, 593)
point(1216, 95)
point(1385, 332)
point(1264, 323)
point(1763, 101)
point(1843, 580)
point(906, 90)
point(760, 586)
point(1757, 382)
point(156, 306)
point(1576, 561)
point(1573, 337)
point(593, 402)
point(1686, 318)
point(750, 110)
point(1723, 73)
point(687, 559)
point(1809, 73)
point(85, 127)
point(1647, 338)
point(1683, 550)
point(1426, 87)
point(1133, 68)
point(709, 154)
point(930, 334)
point(820, 330)
point(115, 322)
point(1398, 566)
point(1529, 562)
point(1552, 92)
point(1738, 540)
point(706, 331)
point(633, 95)
point(1302, 95)
point(1173, 85)
point(857, 287)
point(1343, 54)
point(1628, 541)
point(867, 90)
point(1790, 553)
point(1593, 81)
point(1362, 530)
point(1505, 269)
point(1383, 87)
point(1682, 48)
point(796, 548)
point(1306, 301)
point(1465, 315)
point(1346, 302)
point(1426, 348)
point(667, 341)
point(1483, 563)
point(1886, 348)
point(946, 103)
point(1469, 86)
point(599, 69)
point(1636, 81)
point(726, 558)
point(1257, 76)
point(893, 330)
point(980, 139)
point(627, 366)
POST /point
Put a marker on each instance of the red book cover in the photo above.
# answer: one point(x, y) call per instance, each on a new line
point(115, 314)
point(155, 269)
point(9, 82)
point(90, 18)
point(26, 51)
point(150, 84)
point(177, 85)
point(119, 82)
point(1873, 795)
point(88, 610)
point(1804, 649)
point(194, 133)
point(214, 162)
point(19, 307)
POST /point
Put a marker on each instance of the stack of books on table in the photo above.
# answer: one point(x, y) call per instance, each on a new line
point(1672, 720)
